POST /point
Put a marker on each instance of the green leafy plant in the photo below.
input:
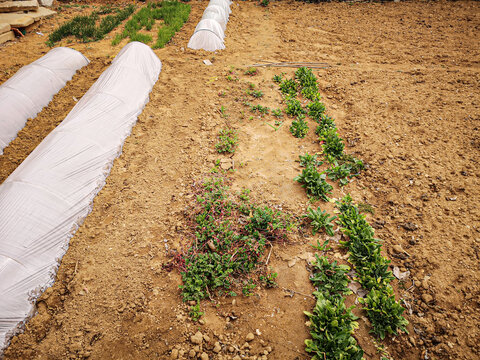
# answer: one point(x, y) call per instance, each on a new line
point(305, 77)
point(277, 113)
point(195, 313)
point(288, 87)
point(299, 127)
point(384, 312)
point(316, 110)
point(268, 280)
point(248, 287)
point(332, 144)
point(251, 71)
point(255, 93)
point(307, 160)
point(320, 220)
point(278, 78)
point(331, 327)
point(227, 141)
point(372, 270)
point(325, 123)
point(330, 278)
point(308, 83)
point(294, 107)
point(344, 168)
point(264, 3)
point(262, 110)
point(314, 183)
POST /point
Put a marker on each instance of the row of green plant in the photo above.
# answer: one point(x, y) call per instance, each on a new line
point(342, 166)
point(173, 13)
point(86, 29)
point(331, 323)
point(372, 272)
point(230, 235)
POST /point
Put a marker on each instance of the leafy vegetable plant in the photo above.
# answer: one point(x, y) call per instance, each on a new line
point(314, 183)
point(320, 220)
point(299, 127)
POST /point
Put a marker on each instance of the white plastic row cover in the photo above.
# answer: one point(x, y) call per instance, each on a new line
point(27, 92)
point(48, 196)
point(210, 31)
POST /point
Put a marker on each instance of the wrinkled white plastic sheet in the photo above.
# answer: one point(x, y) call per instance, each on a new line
point(27, 92)
point(210, 32)
point(48, 196)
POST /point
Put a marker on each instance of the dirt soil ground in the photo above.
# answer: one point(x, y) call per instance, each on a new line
point(403, 84)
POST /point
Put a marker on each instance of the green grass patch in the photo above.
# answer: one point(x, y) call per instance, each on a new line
point(173, 14)
point(91, 27)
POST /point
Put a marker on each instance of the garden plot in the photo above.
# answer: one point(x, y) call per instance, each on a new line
point(398, 101)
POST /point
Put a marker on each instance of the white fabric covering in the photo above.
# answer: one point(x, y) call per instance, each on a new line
point(210, 25)
point(217, 17)
point(48, 196)
point(27, 92)
point(210, 31)
point(217, 10)
point(224, 4)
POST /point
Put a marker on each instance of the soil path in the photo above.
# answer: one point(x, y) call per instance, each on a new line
point(403, 84)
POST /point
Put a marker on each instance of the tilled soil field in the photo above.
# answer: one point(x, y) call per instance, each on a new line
point(402, 81)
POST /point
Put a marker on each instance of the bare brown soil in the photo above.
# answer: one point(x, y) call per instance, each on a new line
point(403, 85)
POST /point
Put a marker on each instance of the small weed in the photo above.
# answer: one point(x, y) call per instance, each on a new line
point(262, 110)
point(227, 141)
point(251, 86)
point(223, 112)
point(195, 312)
point(251, 71)
point(255, 93)
point(264, 3)
point(278, 78)
point(231, 78)
point(277, 113)
point(268, 280)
